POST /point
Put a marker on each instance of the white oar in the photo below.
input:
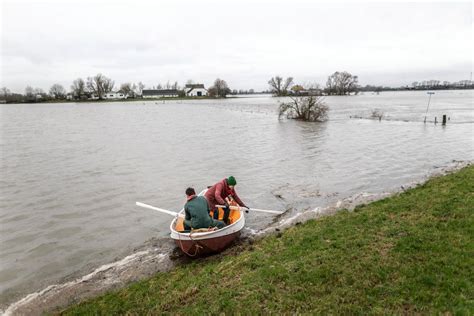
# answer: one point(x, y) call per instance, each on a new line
point(265, 211)
point(252, 209)
point(159, 209)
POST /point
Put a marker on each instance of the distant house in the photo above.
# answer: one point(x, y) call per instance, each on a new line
point(311, 92)
point(115, 95)
point(164, 93)
point(195, 90)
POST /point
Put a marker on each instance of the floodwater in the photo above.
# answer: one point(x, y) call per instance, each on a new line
point(71, 173)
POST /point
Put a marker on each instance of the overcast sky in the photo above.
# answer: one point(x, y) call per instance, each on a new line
point(243, 42)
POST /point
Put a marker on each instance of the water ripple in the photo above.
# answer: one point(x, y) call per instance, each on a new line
point(71, 175)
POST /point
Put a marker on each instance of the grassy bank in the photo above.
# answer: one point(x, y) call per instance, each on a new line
point(411, 253)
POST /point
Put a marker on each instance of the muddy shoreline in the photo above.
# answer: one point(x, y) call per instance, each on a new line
point(160, 255)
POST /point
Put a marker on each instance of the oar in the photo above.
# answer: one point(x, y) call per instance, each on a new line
point(158, 209)
point(252, 209)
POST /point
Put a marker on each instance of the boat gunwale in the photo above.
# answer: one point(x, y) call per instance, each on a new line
point(206, 234)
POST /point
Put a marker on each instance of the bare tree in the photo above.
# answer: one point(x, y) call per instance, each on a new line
point(341, 83)
point(287, 84)
point(141, 86)
point(108, 85)
point(309, 108)
point(219, 89)
point(280, 87)
point(78, 87)
point(5, 92)
point(138, 88)
point(275, 84)
point(39, 91)
point(126, 88)
point(29, 91)
point(100, 85)
point(34, 94)
point(8, 96)
point(95, 85)
point(175, 85)
point(57, 91)
point(377, 114)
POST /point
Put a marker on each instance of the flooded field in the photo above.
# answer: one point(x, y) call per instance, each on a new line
point(71, 173)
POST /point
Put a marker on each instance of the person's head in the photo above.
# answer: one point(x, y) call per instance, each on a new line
point(231, 182)
point(190, 192)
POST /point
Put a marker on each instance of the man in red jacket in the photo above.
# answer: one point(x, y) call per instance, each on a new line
point(221, 193)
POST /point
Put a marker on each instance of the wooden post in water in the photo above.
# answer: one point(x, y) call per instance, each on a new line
point(444, 119)
point(436, 120)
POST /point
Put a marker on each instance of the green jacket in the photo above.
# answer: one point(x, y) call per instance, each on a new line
point(197, 213)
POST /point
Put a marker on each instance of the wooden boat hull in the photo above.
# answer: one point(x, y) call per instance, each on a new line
point(207, 242)
point(206, 246)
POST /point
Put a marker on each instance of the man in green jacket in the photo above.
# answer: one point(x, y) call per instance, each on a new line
point(197, 212)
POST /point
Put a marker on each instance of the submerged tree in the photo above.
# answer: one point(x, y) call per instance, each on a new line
point(377, 114)
point(341, 83)
point(309, 108)
point(280, 87)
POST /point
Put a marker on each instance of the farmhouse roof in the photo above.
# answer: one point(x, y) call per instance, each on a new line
point(160, 92)
point(195, 86)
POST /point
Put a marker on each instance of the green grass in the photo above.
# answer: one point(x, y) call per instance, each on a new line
point(411, 253)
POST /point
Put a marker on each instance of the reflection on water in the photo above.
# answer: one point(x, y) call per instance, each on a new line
point(71, 174)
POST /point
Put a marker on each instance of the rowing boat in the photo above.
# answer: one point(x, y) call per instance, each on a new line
point(202, 242)
point(206, 241)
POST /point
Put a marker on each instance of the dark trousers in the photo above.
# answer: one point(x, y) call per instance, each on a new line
point(225, 219)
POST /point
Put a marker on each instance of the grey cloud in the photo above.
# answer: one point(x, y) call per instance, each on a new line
point(241, 41)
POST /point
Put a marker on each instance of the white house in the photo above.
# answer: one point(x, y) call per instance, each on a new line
point(115, 95)
point(195, 90)
point(163, 93)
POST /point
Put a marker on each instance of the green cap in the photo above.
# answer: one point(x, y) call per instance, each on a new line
point(231, 181)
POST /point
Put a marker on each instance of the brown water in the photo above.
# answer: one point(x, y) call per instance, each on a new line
point(71, 173)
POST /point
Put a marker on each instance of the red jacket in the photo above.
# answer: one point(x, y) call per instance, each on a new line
point(218, 192)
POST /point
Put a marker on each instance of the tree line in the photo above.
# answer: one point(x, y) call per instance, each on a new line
point(339, 83)
point(96, 87)
point(344, 83)
point(423, 85)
